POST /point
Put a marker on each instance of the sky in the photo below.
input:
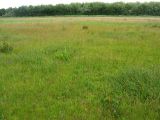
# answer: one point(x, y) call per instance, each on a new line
point(17, 3)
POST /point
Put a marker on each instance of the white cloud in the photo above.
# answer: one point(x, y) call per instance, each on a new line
point(16, 3)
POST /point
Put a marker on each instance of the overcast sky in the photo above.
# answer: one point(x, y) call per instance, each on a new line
point(16, 3)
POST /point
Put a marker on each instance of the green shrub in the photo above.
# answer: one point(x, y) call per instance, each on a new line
point(6, 48)
point(64, 54)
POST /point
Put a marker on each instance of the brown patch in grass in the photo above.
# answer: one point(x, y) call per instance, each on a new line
point(85, 27)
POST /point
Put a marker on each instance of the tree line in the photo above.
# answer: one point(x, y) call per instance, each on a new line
point(95, 8)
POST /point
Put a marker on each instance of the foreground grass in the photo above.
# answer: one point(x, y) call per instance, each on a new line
point(59, 71)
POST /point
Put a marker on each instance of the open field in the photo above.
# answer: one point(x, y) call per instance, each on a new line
point(59, 71)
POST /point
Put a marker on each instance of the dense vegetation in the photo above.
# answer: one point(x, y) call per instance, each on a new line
point(83, 68)
point(96, 8)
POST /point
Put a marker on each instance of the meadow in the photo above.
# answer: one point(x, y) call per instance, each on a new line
point(53, 69)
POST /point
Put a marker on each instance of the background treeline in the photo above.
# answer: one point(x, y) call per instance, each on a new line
point(96, 8)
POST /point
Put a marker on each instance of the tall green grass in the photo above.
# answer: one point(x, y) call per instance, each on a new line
point(57, 70)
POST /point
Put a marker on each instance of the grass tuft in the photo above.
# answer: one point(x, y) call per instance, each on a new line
point(64, 53)
point(6, 48)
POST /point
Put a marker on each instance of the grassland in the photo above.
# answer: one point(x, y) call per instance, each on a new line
point(58, 71)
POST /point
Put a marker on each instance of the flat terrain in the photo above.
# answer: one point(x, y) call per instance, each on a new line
point(59, 71)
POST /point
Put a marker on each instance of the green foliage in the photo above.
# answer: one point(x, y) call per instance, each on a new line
point(5, 47)
point(10, 12)
point(95, 8)
point(63, 54)
point(2, 12)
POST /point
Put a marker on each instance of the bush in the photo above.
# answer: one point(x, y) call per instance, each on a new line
point(64, 54)
point(6, 48)
point(85, 27)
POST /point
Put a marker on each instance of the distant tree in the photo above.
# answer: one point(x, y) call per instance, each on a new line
point(2, 12)
point(94, 8)
point(10, 12)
